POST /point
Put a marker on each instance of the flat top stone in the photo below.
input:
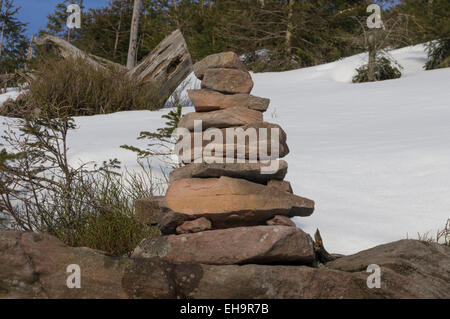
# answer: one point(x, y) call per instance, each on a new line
point(226, 60)
point(229, 81)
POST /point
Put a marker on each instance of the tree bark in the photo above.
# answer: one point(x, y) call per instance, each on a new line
point(132, 50)
point(371, 65)
point(30, 49)
point(372, 58)
point(175, 9)
point(289, 28)
point(67, 50)
point(166, 66)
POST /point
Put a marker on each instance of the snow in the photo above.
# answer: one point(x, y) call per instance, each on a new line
point(375, 157)
point(11, 93)
point(98, 138)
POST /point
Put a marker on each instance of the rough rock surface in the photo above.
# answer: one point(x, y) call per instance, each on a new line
point(243, 245)
point(230, 202)
point(249, 171)
point(225, 60)
point(148, 210)
point(409, 268)
point(34, 266)
point(281, 221)
point(235, 116)
point(260, 141)
point(207, 100)
point(281, 185)
point(194, 226)
point(229, 81)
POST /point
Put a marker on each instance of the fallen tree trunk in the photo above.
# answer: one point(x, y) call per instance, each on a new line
point(166, 66)
point(162, 70)
point(66, 50)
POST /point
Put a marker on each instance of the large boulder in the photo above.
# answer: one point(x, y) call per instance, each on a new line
point(225, 60)
point(229, 81)
point(236, 116)
point(256, 172)
point(270, 282)
point(35, 266)
point(243, 245)
point(409, 268)
point(256, 141)
point(207, 100)
point(228, 202)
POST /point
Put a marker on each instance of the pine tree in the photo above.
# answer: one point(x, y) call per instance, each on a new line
point(105, 31)
point(296, 33)
point(430, 23)
point(57, 21)
point(392, 33)
point(430, 19)
point(13, 42)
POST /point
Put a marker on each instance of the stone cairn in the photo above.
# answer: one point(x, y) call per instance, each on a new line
point(228, 213)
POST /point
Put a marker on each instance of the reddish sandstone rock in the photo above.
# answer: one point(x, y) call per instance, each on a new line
point(34, 266)
point(281, 185)
point(207, 100)
point(225, 60)
point(236, 116)
point(281, 221)
point(228, 81)
point(228, 202)
point(244, 245)
point(194, 226)
point(274, 170)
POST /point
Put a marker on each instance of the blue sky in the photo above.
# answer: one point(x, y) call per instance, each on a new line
point(34, 12)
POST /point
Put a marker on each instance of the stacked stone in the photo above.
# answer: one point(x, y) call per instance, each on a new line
point(230, 213)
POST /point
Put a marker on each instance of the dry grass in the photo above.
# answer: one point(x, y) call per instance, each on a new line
point(80, 89)
point(442, 236)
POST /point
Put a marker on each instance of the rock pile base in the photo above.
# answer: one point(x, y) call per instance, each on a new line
point(230, 212)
